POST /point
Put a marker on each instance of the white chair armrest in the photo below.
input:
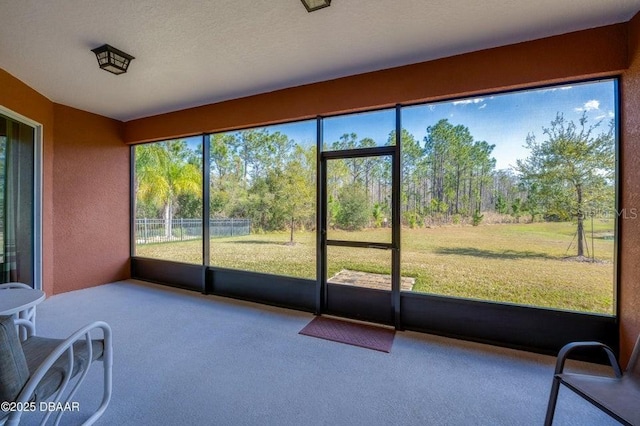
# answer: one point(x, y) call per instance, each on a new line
point(67, 347)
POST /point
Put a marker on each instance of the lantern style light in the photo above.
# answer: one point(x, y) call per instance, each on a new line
point(111, 59)
point(312, 5)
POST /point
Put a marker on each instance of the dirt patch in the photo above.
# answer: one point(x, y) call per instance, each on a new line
point(370, 280)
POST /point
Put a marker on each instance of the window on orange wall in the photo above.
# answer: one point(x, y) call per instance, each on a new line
point(18, 161)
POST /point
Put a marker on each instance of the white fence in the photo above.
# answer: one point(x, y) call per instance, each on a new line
point(158, 231)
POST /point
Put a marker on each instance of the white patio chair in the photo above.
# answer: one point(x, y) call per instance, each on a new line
point(40, 369)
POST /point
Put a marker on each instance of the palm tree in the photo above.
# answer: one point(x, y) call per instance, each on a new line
point(164, 171)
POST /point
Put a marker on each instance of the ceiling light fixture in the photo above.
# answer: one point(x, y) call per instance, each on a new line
point(312, 5)
point(111, 59)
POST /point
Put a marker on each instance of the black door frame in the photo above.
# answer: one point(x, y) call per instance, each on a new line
point(322, 291)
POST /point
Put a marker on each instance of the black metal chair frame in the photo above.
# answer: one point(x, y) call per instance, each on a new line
point(631, 374)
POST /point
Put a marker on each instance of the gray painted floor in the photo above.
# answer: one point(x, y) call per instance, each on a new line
point(182, 358)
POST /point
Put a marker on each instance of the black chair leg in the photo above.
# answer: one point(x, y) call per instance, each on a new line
point(553, 398)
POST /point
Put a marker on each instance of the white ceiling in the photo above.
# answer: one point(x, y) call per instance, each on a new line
point(195, 52)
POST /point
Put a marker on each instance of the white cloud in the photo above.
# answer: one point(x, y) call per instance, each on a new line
point(610, 114)
point(483, 106)
point(431, 107)
point(469, 101)
point(591, 105)
point(553, 89)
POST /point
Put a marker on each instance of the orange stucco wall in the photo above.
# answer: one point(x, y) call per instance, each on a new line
point(90, 200)
point(629, 270)
point(85, 191)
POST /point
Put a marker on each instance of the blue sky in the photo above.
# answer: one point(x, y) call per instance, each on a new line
point(503, 120)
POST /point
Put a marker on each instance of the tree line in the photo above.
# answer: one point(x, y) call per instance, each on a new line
point(447, 177)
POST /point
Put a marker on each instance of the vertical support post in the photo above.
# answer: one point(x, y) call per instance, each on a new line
point(206, 191)
point(132, 202)
point(616, 226)
point(321, 222)
point(395, 221)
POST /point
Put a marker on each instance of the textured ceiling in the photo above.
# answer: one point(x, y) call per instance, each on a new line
point(195, 52)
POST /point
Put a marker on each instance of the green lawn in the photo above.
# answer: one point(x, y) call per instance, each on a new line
point(516, 263)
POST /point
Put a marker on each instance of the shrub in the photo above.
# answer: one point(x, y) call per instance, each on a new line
point(353, 210)
point(477, 218)
point(377, 215)
point(412, 219)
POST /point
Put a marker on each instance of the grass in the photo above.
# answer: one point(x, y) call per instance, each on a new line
point(515, 263)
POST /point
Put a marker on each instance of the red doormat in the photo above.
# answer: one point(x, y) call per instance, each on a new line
point(351, 333)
